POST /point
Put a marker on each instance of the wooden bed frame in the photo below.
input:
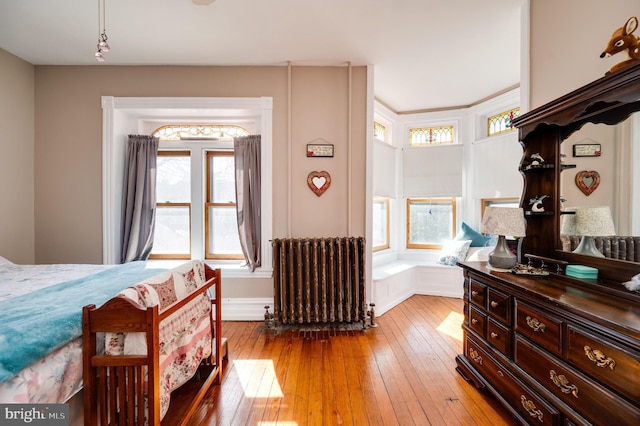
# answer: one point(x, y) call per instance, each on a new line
point(114, 384)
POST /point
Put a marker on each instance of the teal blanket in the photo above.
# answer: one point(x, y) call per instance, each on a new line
point(35, 324)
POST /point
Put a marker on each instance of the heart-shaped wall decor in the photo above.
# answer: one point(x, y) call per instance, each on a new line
point(587, 181)
point(319, 182)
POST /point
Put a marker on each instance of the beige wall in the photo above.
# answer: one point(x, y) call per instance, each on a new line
point(566, 40)
point(16, 159)
point(68, 154)
point(68, 145)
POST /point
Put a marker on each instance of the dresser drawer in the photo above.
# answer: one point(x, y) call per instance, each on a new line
point(542, 328)
point(477, 293)
point(588, 398)
point(613, 365)
point(499, 336)
point(499, 305)
point(530, 406)
point(477, 321)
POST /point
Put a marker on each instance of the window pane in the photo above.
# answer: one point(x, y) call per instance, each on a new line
point(431, 135)
point(430, 222)
point(172, 231)
point(173, 179)
point(223, 188)
point(380, 224)
point(223, 231)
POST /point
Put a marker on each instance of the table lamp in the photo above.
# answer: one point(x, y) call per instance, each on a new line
point(592, 222)
point(502, 221)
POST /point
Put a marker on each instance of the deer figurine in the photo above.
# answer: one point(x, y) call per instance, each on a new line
point(622, 39)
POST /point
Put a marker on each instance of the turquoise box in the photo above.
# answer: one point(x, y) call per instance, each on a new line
point(580, 271)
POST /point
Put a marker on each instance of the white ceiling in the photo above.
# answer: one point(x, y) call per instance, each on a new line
point(426, 53)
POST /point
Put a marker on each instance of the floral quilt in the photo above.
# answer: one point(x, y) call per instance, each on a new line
point(185, 336)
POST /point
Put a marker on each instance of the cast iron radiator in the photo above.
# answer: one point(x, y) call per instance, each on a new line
point(319, 281)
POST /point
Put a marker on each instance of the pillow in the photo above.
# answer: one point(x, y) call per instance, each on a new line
point(453, 251)
point(468, 233)
point(4, 261)
point(480, 255)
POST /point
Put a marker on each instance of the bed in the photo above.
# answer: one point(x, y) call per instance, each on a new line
point(41, 315)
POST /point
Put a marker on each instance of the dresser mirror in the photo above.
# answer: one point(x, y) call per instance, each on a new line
point(600, 113)
point(603, 165)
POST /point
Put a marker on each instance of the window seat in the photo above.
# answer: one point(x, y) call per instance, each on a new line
point(396, 277)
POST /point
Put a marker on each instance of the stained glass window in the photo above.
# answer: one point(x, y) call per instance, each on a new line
point(439, 135)
point(379, 131)
point(501, 123)
point(200, 131)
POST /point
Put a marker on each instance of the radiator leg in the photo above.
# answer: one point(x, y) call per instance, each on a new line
point(269, 320)
point(372, 315)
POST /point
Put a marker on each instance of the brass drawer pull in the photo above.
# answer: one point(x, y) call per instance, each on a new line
point(494, 304)
point(474, 293)
point(528, 405)
point(494, 334)
point(474, 321)
point(599, 358)
point(562, 382)
point(474, 356)
point(535, 325)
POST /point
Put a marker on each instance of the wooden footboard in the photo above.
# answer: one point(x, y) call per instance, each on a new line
point(117, 388)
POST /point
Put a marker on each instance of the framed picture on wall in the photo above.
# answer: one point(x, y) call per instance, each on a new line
point(319, 150)
point(587, 150)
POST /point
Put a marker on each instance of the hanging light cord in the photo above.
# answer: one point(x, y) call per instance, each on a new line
point(103, 46)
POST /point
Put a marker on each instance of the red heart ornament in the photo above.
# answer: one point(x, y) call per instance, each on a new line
point(587, 181)
point(319, 182)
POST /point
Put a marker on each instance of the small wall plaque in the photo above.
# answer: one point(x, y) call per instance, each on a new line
point(319, 150)
point(587, 150)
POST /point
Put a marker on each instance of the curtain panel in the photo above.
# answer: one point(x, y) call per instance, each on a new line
point(139, 198)
point(248, 180)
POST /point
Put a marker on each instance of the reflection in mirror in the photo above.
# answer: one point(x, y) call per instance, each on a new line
point(601, 166)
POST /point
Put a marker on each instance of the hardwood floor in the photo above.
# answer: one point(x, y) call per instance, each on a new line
point(400, 373)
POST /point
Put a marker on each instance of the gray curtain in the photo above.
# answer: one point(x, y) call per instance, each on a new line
point(247, 163)
point(139, 198)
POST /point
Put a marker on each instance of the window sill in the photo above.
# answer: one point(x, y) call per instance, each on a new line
point(230, 269)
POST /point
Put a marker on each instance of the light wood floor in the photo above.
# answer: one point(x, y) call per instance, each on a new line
point(400, 373)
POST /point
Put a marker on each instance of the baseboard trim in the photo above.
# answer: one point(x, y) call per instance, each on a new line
point(245, 308)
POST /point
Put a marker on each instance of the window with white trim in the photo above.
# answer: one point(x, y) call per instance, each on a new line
point(430, 221)
point(195, 194)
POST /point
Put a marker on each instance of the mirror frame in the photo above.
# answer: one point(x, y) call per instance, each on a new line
point(608, 100)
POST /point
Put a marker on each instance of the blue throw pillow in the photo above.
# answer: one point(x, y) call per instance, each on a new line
point(468, 233)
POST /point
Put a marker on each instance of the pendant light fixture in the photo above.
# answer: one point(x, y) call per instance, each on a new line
point(103, 45)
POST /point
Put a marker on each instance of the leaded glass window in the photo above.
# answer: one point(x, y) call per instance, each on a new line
point(379, 131)
point(503, 122)
point(200, 131)
point(439, 135)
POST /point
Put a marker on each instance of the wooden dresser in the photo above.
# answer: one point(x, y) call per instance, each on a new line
point(557, 350)
point(554, 350)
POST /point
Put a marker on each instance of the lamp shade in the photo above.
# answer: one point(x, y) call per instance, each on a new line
point(568, 223)
point(503, 221)
point(594, 221)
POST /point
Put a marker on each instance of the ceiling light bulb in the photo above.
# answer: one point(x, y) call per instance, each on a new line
point(104, 46)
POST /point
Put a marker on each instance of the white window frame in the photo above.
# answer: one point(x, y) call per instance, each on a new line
point(386, 201)
point(124, 116)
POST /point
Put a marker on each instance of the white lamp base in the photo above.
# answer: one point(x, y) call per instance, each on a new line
point(588, 247)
